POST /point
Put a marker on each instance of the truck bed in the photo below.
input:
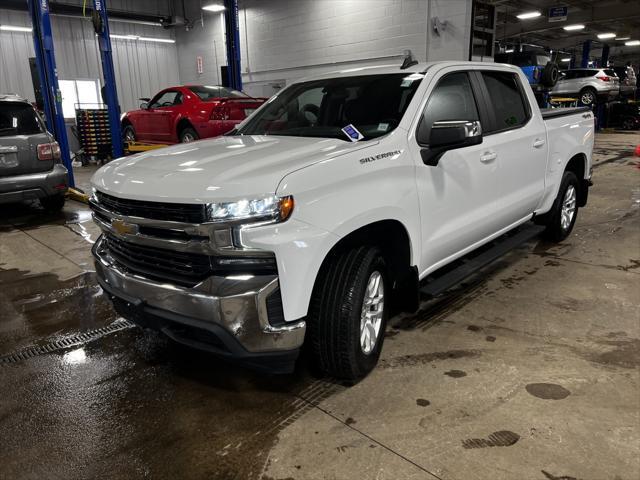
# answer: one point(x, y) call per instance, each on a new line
point(561, 112)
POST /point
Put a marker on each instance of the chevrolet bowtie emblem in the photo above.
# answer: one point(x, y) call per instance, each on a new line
point(124, 228)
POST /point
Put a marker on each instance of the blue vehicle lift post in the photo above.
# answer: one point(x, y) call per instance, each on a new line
point(46, 63)
point(232, 40)
point(110, 93)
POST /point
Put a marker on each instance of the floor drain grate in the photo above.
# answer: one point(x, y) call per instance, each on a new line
point(63, 343)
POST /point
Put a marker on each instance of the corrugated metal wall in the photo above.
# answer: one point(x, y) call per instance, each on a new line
point(142, 68)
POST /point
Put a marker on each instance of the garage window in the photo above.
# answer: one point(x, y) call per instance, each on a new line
point(79, 93)
point(506, 98)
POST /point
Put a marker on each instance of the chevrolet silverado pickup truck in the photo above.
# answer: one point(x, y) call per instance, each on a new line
point(334, 200)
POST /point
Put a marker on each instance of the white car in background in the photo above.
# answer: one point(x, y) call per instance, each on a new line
point(588, 85)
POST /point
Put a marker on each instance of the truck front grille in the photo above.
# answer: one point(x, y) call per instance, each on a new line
point(174, 212)
point(182, 268)
point(187, 269)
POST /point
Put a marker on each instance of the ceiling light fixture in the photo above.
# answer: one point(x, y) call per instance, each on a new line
point(528, 15)
point(124, 37)
point(606, 35)
point(214, 7)
point(13, 28)
point(622, 38)
point(509, 50)
point(632, 43)
point(569, 28)
point(565, 60)
point(159, 40)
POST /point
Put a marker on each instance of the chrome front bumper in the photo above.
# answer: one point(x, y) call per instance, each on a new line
point(233, 309)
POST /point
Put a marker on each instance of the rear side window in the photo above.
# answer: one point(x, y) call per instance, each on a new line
point(610, 72)
point(452, 99)
point(506, 98)
point(18, 119)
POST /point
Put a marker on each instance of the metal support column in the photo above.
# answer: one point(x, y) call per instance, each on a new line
point(110, 92)
point(586, 49)
point(604, 60)
point(46, 63)
point(232, 40)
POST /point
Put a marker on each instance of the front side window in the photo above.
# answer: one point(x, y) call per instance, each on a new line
point(166, 99)
point(506, 99)
point(452, 99)
point(17, 118)
point(374, 104)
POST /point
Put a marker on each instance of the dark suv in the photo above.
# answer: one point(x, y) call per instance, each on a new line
point(30, 165)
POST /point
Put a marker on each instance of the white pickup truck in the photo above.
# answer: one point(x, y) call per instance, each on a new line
point(339, 196)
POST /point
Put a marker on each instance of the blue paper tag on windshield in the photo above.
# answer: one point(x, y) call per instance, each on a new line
point(353, 133)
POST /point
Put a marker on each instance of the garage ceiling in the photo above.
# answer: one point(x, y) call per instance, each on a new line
point(599, 16)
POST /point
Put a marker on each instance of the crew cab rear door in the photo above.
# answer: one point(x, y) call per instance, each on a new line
point(517, 135)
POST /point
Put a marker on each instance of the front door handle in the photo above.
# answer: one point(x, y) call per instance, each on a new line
point(538, 143)
point(488, 157)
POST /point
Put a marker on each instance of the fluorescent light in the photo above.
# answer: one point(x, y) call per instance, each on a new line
point(569, 28)
point(509, 51)
point(160, 40)
point(13, 28)
point(632, 43)
point(565, 60)
point(606, 35)
point(527, 15)
point(622, 38)
point(124, 37)
point(214, 7)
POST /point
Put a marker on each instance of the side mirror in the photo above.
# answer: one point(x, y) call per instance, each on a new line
point(449, 135)
point(144, 106)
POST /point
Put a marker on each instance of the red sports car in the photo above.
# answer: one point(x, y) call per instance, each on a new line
point(188, 113)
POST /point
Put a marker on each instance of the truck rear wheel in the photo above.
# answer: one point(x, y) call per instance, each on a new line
point(348, 313)
point(562, 216)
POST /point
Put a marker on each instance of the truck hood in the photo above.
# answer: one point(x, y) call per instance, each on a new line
point(220, 169)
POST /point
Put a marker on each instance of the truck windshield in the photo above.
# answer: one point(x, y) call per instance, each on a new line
point(373, 104)
point(17, 118)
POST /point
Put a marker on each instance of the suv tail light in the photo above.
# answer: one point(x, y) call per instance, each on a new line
point(604, 78)
point(49, 151)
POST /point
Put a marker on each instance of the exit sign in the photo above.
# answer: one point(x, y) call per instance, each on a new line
point(558, 14)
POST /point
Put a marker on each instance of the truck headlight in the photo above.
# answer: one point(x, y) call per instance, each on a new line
point(266, 208)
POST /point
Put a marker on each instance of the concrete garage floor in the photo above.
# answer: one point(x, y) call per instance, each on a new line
point(528, 371)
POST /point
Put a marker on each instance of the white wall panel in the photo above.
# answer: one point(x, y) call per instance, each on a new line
point(282, 40)
point(142, 68)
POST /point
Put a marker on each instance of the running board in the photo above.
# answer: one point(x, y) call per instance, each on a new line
point(445, 278)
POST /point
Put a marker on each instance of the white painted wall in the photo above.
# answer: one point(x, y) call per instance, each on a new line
point(142, 68)
point(283, 40)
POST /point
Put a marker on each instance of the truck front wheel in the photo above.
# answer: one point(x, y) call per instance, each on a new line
point(348, 313)
point(562, 216)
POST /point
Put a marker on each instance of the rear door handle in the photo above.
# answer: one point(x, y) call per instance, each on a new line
point(488, 157)
point(538, 142)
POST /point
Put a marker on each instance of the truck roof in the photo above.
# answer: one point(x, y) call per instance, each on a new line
point(395, 68)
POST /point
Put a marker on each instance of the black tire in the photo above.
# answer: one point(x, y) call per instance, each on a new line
point(555, 230)
point(335, 311)
point(549, 75)
point(128, 134)
point(188, 134)
point(53, 203)
point(588, 96)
